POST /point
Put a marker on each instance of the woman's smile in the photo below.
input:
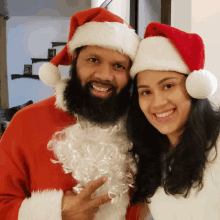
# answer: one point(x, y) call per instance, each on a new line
point(166, 116)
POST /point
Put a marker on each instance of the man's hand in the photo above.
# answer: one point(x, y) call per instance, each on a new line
point(81, 206)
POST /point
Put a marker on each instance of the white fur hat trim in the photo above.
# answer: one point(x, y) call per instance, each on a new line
point(59, 91)
point(50, 74)
point(110, 35)
point(201, 84)
point(158, 53)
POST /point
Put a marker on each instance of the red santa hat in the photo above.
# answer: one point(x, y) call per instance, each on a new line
point(94, 27)
point(168, 49)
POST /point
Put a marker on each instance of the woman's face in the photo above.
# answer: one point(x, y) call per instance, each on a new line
point(164, 100)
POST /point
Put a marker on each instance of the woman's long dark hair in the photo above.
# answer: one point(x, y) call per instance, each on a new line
point(190, 155)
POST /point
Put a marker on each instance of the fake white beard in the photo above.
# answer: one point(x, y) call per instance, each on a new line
point(89, 152)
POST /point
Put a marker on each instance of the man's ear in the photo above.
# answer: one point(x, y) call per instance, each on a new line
point(74, 55)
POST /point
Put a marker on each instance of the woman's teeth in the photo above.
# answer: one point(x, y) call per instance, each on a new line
point(100, 89)
point(165, 114)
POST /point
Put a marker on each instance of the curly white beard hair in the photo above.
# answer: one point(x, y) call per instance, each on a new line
point(90, 151)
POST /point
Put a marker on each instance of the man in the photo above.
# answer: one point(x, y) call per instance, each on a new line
point(67, 157)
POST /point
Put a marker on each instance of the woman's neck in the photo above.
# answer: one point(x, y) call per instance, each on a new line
point(174, 139)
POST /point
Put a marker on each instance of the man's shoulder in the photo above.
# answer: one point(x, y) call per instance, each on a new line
point(44, 107)
point(42, 110)
point(43, 113)
point(49, 102)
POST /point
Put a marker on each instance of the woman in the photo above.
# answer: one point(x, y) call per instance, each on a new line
point(174, 127)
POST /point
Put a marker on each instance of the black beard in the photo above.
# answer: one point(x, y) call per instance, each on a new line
point(79, 100)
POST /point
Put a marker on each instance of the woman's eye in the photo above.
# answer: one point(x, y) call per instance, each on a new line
point(145, 93)
point(168, 86)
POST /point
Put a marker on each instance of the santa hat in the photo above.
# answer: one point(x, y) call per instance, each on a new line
point(94, 27)
point(168, 49)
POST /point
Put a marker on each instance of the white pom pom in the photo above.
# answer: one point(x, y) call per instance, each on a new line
point(50, 74)
point(201, 84)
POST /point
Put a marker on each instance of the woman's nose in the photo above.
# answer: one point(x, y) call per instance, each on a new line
point(159, 100)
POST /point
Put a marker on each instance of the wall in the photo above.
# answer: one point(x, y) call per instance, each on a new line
point(149, 10)
point(121, 8)
point(118, 7)
point(203, 20)
point(181, 14)
point(46, 8)
point(30, 38)
point(96, 3)
point(31, 28)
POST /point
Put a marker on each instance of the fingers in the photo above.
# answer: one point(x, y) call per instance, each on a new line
point(93, 213)
point(101, 200)
point(92, 187)
point(70, 193)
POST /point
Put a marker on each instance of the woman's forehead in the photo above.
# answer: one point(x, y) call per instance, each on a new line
point(150, 76)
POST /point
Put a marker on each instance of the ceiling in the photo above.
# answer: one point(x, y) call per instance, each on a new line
point(43, 8)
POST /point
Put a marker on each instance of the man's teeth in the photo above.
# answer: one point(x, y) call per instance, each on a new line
point(165, 114)
point(100, 89)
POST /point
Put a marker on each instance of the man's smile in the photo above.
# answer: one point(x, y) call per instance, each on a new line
point(101, 89)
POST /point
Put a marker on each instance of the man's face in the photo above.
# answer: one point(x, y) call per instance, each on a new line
point(99, 84)
point(105, 69)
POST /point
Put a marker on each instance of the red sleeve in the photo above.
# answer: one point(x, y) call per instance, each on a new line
point(13, 180)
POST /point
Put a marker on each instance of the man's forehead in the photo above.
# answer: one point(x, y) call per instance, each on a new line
point(105, 52)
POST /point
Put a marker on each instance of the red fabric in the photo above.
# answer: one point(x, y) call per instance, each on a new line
point(25, 161)
point(93, 14)
point(78, 19)
point(133, 213)
point(62, 58)
point(190, 46)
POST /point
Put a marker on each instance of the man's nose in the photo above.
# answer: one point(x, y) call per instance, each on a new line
point(105, 72)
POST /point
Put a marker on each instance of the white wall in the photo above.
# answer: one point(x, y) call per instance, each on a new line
point(46, 8)
point(181, 14)
point(30, 29)
point(201, 17)
point(96, 3)
point(30, 38)
point(118, 7)
point(149, 10)
point(121, 8)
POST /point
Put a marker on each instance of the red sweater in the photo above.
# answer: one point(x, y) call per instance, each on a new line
point(26, 167)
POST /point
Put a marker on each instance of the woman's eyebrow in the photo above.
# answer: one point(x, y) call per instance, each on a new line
point(143, 86)
point(161, 81)
point(165, 79)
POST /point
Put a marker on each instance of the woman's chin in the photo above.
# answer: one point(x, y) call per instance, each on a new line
point(164, 130)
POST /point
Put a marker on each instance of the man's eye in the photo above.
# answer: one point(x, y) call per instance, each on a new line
point(119, 66)
point(94, 60)
point(168, 86)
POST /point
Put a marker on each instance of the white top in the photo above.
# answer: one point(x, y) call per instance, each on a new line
point(204, 205)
